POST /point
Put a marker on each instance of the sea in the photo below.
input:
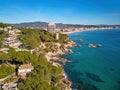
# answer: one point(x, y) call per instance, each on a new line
point(94, 68)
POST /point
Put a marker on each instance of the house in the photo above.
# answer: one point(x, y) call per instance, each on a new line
point(5, 29)
point(14, 31)
point(8, 28)
point(24, 70)
point(10, 86)
point(11, 32)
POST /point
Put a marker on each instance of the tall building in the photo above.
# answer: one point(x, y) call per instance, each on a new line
point(51, 27)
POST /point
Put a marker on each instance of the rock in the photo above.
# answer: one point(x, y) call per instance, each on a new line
point(112, 69)
point(118, 82)
point(94, 45)
point(81, 40)
point(94, 77)
point(89, 86)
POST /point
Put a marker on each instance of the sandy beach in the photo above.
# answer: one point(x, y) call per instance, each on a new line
point(92, 29)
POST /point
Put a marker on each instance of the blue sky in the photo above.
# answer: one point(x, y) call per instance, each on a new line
point(61, 11)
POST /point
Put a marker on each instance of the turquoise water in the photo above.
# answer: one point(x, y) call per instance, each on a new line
point(95, 68)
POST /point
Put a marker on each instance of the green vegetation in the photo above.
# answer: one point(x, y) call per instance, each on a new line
point(31, 38)
point(5, 70)
point(2, 36)
point(17, 57)
point(51, 47)
point(11, 80)
point(45, 76)
point(3, 25)
point(63, 39)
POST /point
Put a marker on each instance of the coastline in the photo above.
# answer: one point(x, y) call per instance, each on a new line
point(57, 60)
point(70, 32)
point(66, 75)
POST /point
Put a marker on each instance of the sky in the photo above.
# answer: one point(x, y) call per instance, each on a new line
point(61, 11)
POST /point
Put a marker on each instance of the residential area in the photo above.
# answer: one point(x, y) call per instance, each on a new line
point(9, 79)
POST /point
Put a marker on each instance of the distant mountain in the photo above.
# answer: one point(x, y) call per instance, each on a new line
point(44, 25)
point(32, 24)
point(59, 25)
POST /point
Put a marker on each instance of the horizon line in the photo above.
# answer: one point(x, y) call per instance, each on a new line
point(55, 23)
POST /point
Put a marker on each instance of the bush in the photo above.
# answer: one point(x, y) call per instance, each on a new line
point(6, 70)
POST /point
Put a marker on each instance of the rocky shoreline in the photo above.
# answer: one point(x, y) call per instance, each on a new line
point(57, 60)
point(56, 56)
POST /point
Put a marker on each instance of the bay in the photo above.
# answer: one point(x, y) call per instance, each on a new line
point(95, 68)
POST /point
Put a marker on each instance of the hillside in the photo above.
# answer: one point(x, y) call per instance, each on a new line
point(33, 45)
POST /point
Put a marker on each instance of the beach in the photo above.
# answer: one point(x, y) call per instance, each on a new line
point(83, 30)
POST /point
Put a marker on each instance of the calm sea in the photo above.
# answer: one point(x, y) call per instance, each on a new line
point(95, 68)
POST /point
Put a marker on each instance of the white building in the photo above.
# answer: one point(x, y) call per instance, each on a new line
point(57, 36)
point(11, 32)
point(14, 31)
point(25, 69)
point(8, 28)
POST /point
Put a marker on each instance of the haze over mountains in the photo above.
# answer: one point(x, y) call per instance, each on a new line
point(40, 24)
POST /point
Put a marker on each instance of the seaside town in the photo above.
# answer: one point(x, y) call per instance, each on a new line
point(65, 28)
point(59, 44)
point(20, 72)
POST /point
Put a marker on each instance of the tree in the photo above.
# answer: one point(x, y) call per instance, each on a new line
point(43, 74)
point(3, 25)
